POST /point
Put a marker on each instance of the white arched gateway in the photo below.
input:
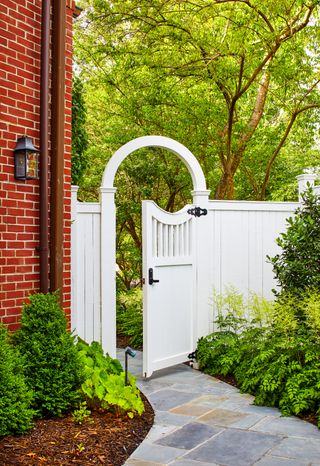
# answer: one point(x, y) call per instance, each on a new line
point(169, 242)
point(186, 255)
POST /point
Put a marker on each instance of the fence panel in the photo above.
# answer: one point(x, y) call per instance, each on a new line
point(86, 271)
point(241, 234)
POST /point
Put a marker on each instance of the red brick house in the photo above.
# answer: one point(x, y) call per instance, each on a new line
point(35, 100)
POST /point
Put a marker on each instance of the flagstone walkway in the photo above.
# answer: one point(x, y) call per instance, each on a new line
point(200, 420)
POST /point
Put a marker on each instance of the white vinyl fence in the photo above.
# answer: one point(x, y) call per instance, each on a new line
point(233, 240)
point(238, 236)
point(86, 269)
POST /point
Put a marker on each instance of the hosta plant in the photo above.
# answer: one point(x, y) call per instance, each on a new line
point(104, 386)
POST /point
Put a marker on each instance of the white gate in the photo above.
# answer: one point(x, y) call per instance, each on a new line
point(168, 288)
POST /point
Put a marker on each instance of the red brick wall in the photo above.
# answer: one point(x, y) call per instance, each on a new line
point(20, 39)
point(67, 167)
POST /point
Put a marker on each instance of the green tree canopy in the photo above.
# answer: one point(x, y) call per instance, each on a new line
point(79, 132)
point(236, 81)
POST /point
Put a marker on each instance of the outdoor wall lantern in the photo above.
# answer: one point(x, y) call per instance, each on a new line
point(26, 159)
point(131, 352)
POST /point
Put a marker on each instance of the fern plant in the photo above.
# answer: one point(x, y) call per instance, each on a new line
point(276, 357)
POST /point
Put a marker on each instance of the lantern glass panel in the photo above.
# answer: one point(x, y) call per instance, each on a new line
point(32, 165)
point(20, 165)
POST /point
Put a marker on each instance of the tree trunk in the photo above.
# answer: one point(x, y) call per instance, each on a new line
point(225, 188)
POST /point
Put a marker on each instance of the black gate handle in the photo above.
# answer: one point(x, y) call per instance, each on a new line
point(151, 279)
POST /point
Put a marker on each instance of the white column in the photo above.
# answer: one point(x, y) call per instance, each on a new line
point(304, 180)
point(108, 270)
point(202, 285)
point(200, 197)
point(74, 276)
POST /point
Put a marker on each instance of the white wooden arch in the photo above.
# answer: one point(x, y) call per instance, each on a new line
point(195, 170)
point(108, 222)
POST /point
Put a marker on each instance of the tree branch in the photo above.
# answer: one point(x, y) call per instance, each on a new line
point(256, 113)
point(281, 144)
point(246, 2)
point(282, 37)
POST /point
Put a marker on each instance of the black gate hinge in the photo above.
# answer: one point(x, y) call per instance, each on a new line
point(193, 355)
point(197, 211)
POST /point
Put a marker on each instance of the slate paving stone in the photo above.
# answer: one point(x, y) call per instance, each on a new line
point(153, 386)
point(276, 461)
point(173, 371)
point(216, 390)
point(247, 422)
point(182, 377)
point(166, 399)
point(168, 418)
point(248, 435)
point(189, 436)
point(209, 400)
point(298, 448)
point(254, 409)
point(234, 448)
point(191, 410)
point(156, 454)
point(158, 431)
point(183, 462)
point(143, 463)
point(288, 426)
point(221, 417)
point(189, 387)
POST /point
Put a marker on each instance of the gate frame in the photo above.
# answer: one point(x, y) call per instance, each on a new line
point(200, 195)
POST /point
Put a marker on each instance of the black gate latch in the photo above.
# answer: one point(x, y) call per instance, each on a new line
point(197, 211)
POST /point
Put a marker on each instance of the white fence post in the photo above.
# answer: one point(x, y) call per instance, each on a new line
point(304, 180)
point(108, 270)
point(74, 254)
point(202, 285)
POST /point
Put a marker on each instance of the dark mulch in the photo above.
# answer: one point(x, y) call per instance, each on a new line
point(106, 440)
point(123, 341)
point(227, 379)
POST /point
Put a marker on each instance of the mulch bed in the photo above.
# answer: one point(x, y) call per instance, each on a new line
point(123, 341)
point(105, 440)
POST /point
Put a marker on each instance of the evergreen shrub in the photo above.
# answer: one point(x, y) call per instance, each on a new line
point(52, 365)
point(15, 397)
point(297, 266)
